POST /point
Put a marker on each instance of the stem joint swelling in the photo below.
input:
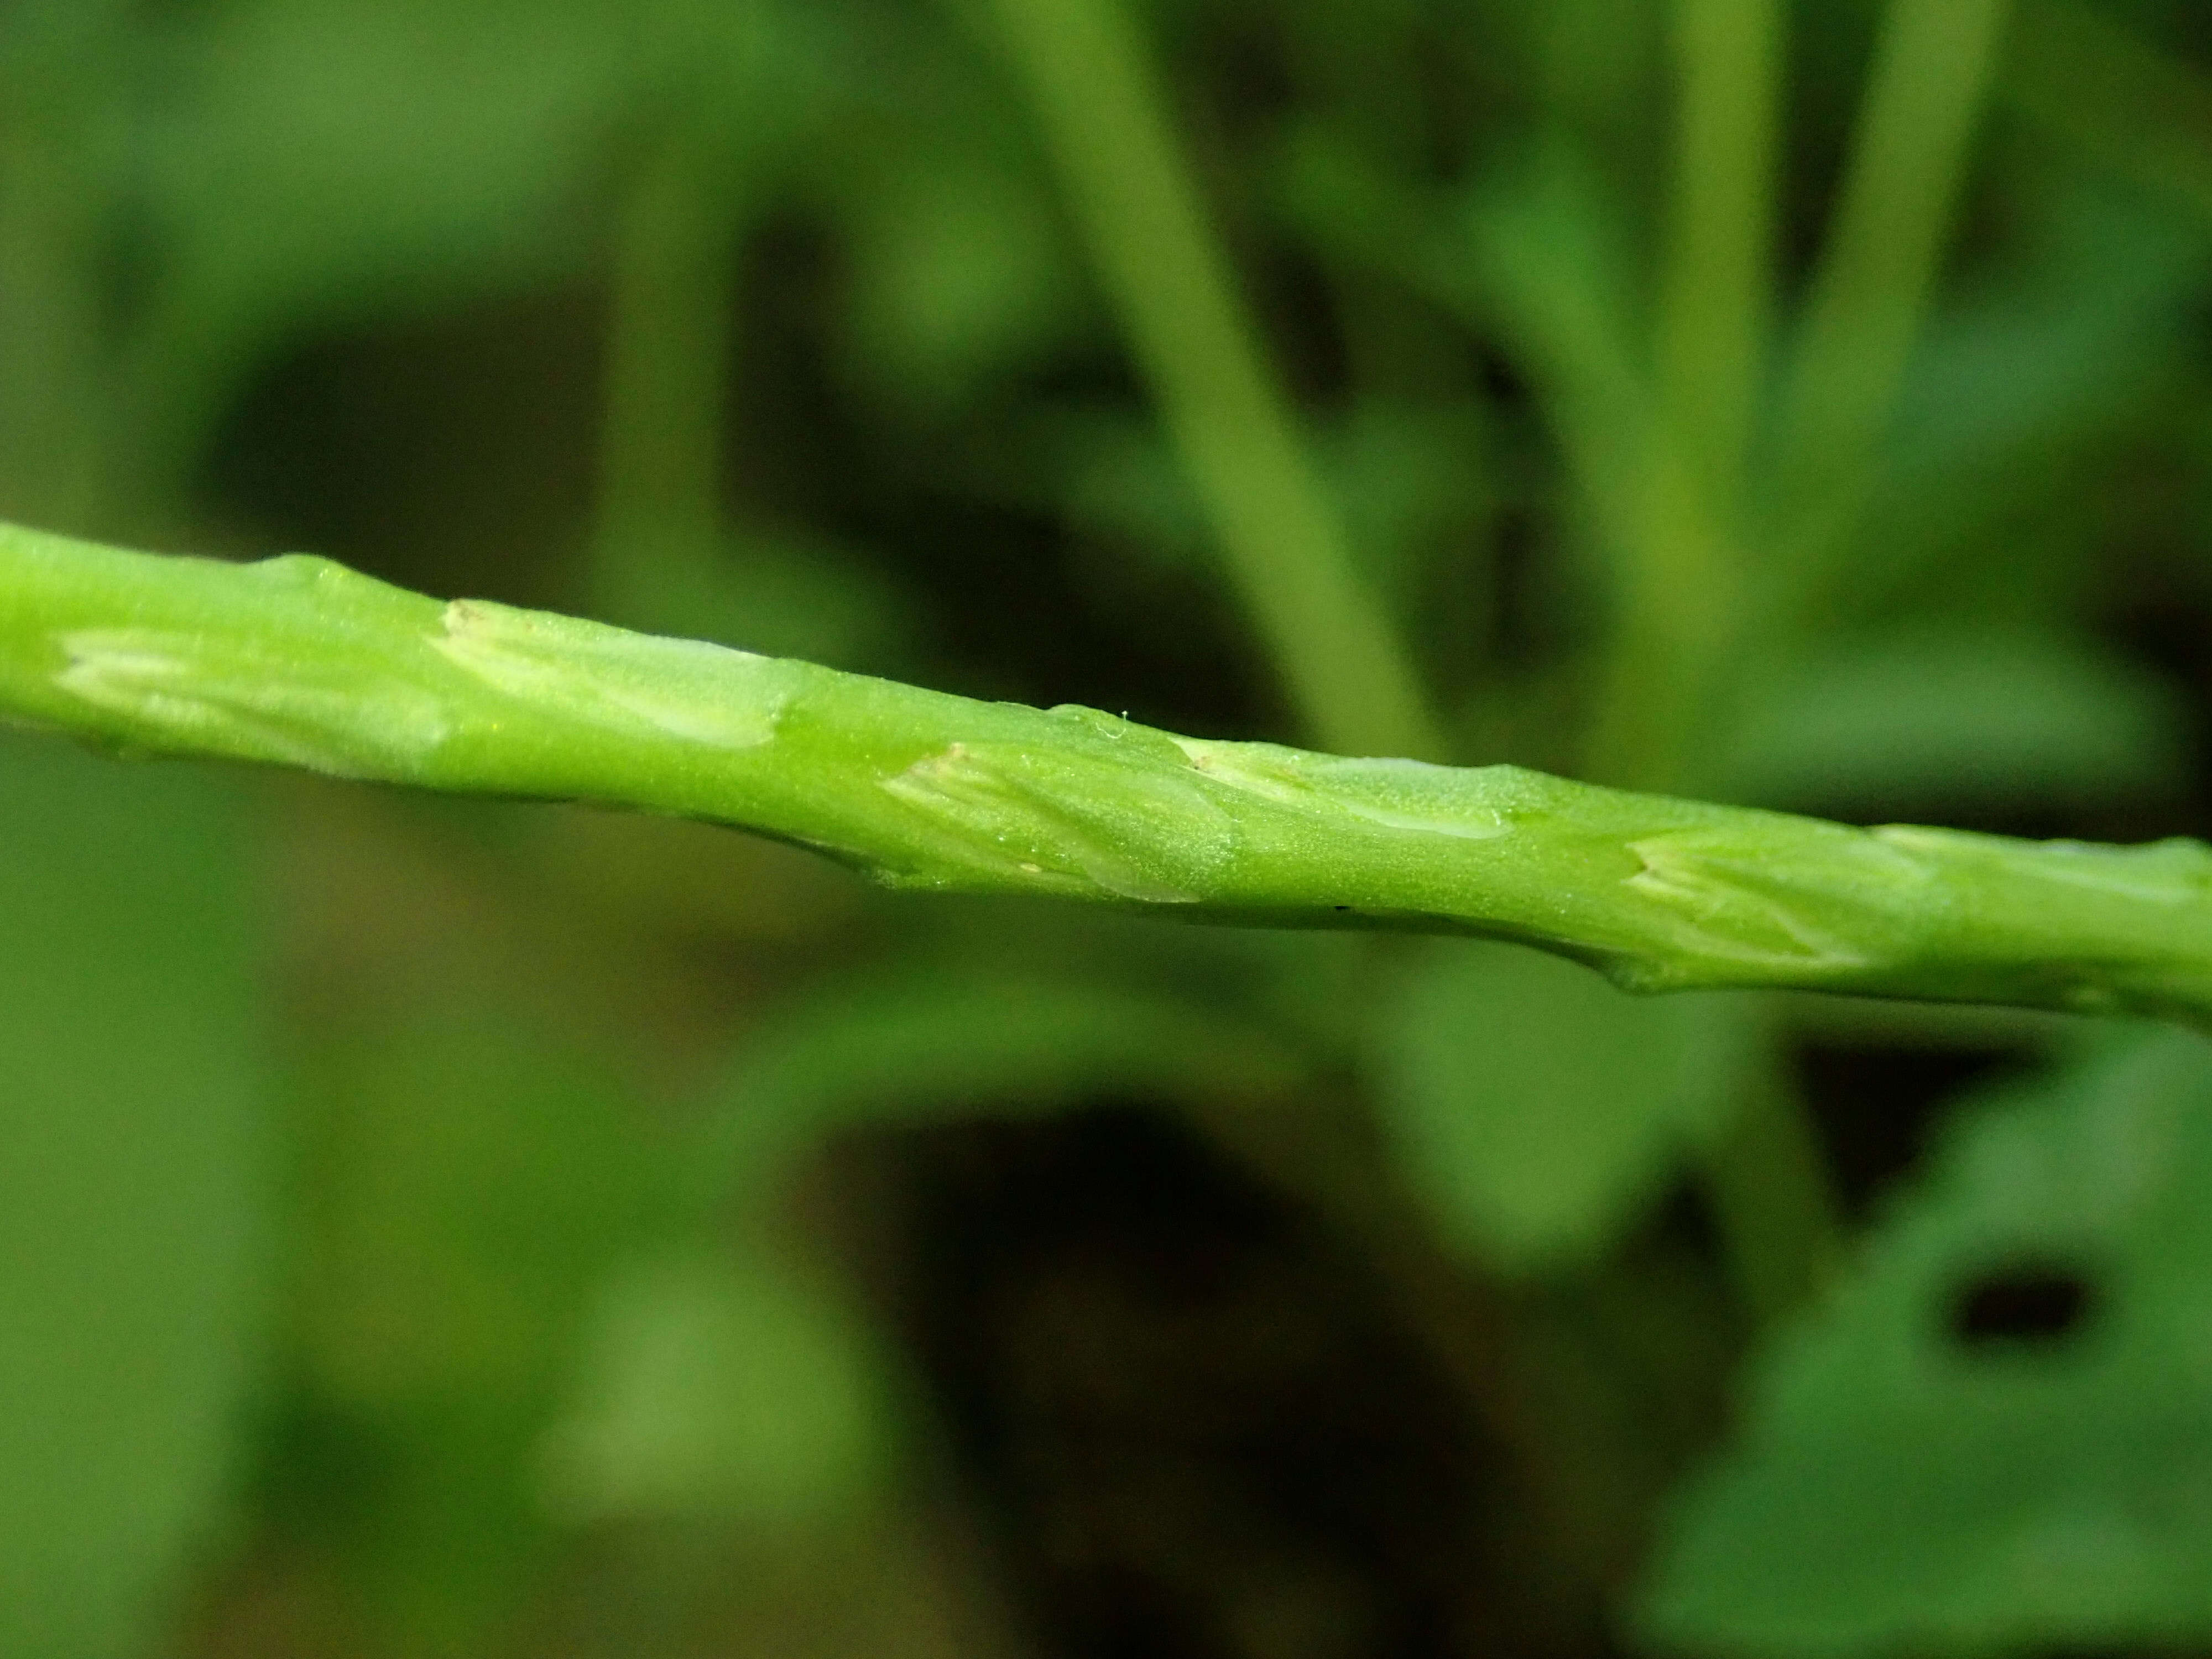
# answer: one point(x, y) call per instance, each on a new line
point(300, 662)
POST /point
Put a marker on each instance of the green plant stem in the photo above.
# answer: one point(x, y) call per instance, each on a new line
point(298, 661)
point(1288, 558)
point(1933, 65)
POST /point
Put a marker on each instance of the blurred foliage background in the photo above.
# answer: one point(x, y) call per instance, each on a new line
point(453, 1229)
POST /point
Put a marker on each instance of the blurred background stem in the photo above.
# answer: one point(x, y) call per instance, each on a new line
point(54, 392)
point(1766, 1179)
point(1715, 303)
point(1933, 66)
point(1682, 567)
point(1348, 675)
point(659, 532)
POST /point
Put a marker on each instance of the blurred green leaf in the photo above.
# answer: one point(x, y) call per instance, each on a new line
point(1119, 479)
point(944, 1043)
point(468, 1183)
point(309, 156)
point(1533, 1107)
point(1998, 1437)
point(304, 163)
point(470, 1178)
point(1595, 59)
point(1534, 252)
point(1538, 253)
point(2079, 324)
point(1408, 477)
point(133, 1187)
point(960, 275)
point(721, 1384)
point(1960, 721)
point(781, 595)
point(2019, 393)
point(1335, 194)
point(2147, 113)
point(314, 160)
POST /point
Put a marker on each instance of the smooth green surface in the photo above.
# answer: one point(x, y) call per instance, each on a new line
point(134, 1198)
point(1899, 1488)
point(477, 1178)
point(722, 1384)
point(300, 662)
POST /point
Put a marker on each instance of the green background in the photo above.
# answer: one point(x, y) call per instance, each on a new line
point(454, 1229)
